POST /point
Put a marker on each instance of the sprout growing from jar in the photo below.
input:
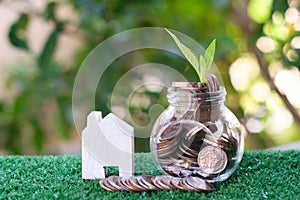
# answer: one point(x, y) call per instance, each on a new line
point(200, 65)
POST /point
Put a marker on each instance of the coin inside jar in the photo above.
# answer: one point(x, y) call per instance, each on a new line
point(212, 159)
point(170, 132)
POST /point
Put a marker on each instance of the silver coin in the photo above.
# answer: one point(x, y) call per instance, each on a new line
point(198, 183)
point(159, 184)
point(145, 180)
point(175, 182)
point(132, 182)
point(212, 160)
point(103, 183)
point(186, 186)
point(122, 183)
point(112, 181)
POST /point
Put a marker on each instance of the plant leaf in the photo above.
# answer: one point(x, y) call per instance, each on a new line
point(50, 11)
point(209, 54)
point(188, 53)
point(202, 69)
point(16, 33)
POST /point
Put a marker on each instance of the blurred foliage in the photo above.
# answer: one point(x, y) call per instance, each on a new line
point(44, 90)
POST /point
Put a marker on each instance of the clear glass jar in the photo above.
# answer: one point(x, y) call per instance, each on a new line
point(197, 135)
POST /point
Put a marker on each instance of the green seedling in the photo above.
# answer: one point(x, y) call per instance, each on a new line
point(201, 63)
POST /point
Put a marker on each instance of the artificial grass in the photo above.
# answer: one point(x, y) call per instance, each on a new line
point(261, 174)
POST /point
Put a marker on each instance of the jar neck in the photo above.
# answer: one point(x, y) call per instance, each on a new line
point(183, 93)
point(189, 101)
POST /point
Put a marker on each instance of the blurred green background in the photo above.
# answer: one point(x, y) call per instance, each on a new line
point(43, 43)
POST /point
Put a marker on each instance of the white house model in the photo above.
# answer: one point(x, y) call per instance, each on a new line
point(107, 142)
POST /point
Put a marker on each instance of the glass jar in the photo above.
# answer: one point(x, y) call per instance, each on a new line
point(197, 135)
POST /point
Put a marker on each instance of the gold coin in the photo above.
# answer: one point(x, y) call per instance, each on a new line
point(212, 159)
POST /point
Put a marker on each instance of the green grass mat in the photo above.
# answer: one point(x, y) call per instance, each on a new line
point(261, 174)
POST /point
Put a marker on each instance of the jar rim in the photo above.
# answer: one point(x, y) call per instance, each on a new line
point(191, 86)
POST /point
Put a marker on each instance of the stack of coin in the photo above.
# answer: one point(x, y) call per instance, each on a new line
point(211, 85)
point(184, 151)
point(148, 183)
